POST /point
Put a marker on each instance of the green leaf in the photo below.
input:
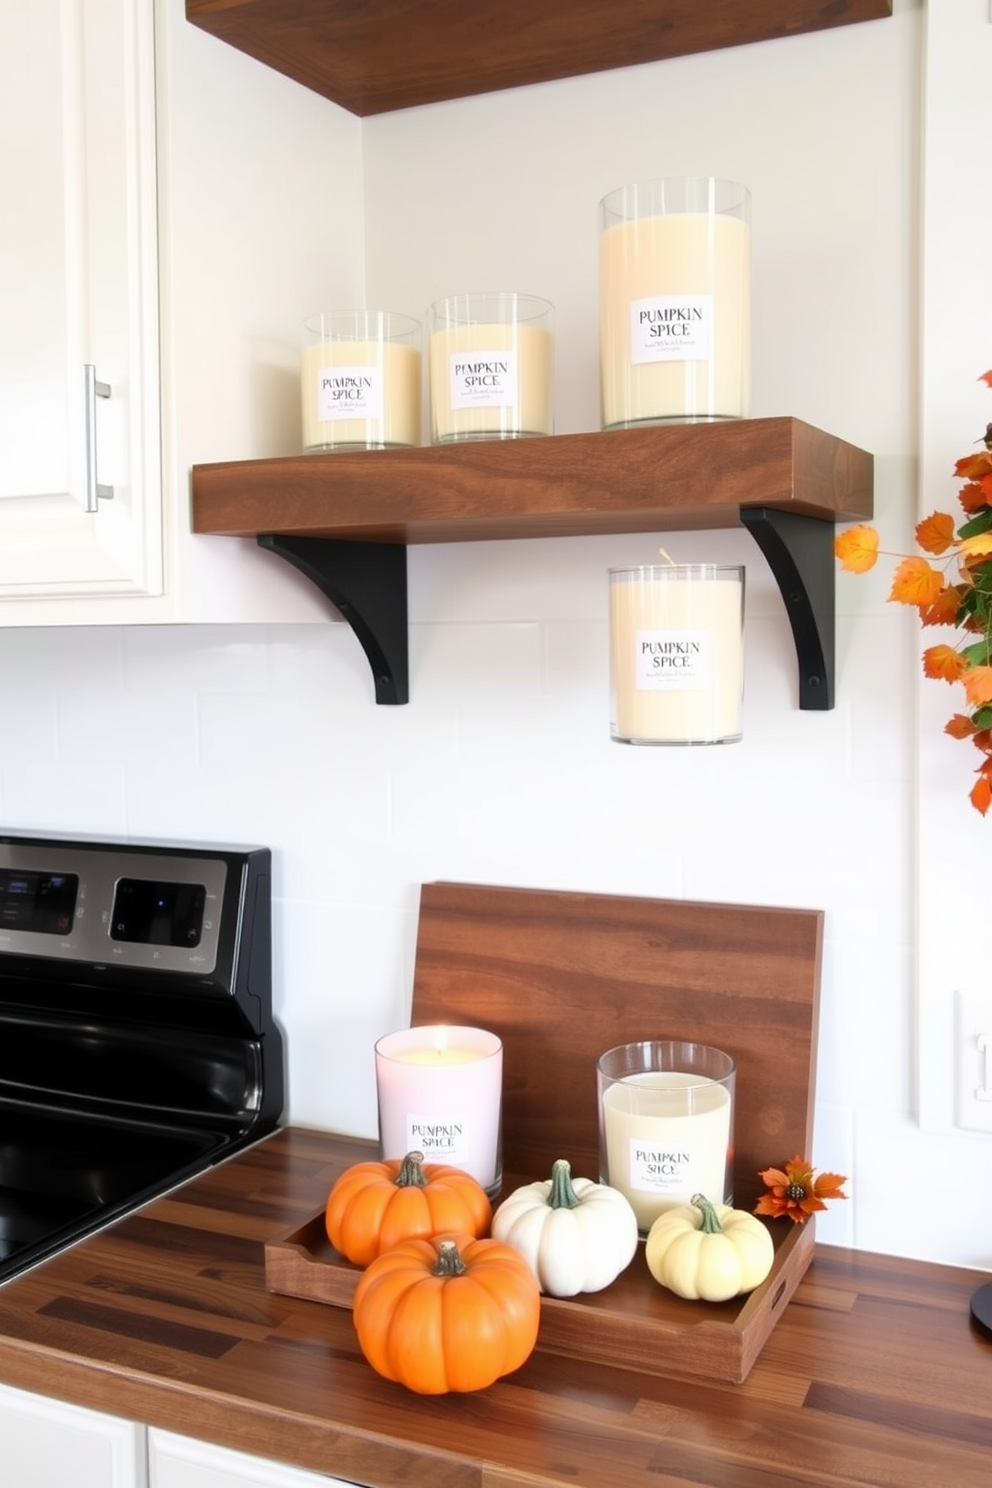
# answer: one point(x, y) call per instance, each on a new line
point(976, 655)
point(980, 523)
point(982, 717)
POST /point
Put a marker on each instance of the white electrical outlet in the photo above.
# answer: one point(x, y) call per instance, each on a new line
point(973, 1061)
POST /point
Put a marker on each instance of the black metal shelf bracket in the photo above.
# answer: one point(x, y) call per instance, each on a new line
point(800, 554)
point(366, 581)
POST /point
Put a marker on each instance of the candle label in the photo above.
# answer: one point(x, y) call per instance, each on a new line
point(659, 1169)
point(349, 393)
point(671, 328)
point(482, 379)
point(671, 660)
point(441, 1139)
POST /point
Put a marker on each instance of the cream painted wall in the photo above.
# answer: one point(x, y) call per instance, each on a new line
point(500, 769)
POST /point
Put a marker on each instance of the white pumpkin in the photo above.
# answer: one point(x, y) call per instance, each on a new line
point(576, 1235)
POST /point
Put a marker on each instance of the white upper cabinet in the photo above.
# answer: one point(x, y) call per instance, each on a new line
point(78, 289)
point(172, 213)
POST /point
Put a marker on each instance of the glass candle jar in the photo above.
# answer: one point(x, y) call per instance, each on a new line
point(675, 315)
point(666, 1124)
point(360, 380)
point(490, 358)
point(676, 653)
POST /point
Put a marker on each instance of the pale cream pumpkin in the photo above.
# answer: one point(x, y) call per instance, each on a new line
point(708, 1251)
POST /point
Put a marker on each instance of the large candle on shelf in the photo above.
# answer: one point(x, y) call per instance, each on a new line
point(440, 1093)
point(490, 367)
point(666, 1124)
point(675, 268)
point(676, 653)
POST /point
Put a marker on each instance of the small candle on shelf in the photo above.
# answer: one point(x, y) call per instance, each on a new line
point(360, 381)
point(440, 1093)
point(490, 367)
point(666, 1124)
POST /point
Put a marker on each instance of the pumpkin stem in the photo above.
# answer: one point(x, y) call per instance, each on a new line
point(562, 1195)
point(449, 1262)
point(411, 1173)
point(711, 1223)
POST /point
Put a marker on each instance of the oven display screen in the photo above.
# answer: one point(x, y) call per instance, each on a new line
point(149, 912)
point(40, 902)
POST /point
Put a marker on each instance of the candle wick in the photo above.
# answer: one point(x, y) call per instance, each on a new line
point(667, 557)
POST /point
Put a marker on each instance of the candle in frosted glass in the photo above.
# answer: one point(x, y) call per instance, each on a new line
point(440, 1093)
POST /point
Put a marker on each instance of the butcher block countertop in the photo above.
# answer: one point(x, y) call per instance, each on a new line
point(874, 1374)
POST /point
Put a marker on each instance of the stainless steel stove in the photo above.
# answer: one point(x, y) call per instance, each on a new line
point(137, 1042)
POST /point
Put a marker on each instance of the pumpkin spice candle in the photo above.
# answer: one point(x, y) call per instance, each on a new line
point(666, 1124)
point(440, 1093)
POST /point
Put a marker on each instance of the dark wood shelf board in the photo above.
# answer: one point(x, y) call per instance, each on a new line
point(681, 476)
point(389, 54)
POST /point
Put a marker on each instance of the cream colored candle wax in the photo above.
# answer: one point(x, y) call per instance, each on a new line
point(659, 1153)
point(490, 359)
point(360, 380)
point(676, 653)
point(675, 309)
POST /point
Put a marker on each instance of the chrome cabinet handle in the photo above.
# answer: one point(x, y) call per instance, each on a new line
point(94, 390)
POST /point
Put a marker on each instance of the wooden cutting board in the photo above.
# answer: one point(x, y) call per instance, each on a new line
point(562, 977)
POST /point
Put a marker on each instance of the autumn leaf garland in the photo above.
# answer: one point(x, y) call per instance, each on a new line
point(963, 600)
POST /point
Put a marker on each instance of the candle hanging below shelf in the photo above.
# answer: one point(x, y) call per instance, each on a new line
point(676, 653)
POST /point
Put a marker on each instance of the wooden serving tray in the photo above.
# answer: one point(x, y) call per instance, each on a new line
point(633, 1322)
point(561, 978)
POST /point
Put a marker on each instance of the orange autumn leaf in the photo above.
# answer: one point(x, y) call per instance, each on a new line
point(935, 534)
point(916, 582)
point(978, 685)
point(794, 1192)
point(857, 548)
point(973, 467)
point(980, 795)
point(986, 377)
point(974, 496)
point(944, 610)
point(983, 740)
point(943, 663)
point(960, 727)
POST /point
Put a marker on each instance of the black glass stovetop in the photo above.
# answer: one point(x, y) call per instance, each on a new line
point(137, 1043)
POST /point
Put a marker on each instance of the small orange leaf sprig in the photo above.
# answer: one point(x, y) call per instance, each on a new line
point(963, 600)
point(794, 1193)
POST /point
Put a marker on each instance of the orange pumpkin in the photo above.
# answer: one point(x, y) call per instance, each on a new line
point(449, 1313)
point(375, 1205)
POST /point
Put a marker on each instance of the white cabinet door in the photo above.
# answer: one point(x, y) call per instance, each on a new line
point(179, 1462)
point(78, 288)
point(46, 1444)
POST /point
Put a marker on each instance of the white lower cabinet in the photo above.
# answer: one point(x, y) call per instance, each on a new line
point(179, 1462)
point(47, 1444)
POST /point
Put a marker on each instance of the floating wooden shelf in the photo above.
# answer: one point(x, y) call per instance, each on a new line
point(382, 55)
point(345, 519)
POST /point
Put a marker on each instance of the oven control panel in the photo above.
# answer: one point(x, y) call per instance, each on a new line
point(158, 910)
